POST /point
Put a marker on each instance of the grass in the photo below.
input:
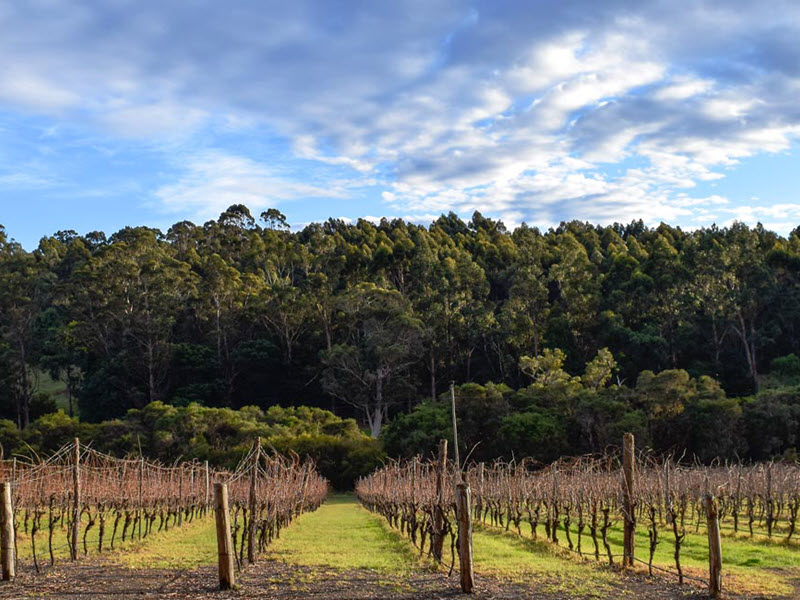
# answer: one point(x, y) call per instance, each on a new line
point(193, 544)
point(750, 566)
point(512, 557)
point(342, 535)
point(496, 552)
point(186, 547)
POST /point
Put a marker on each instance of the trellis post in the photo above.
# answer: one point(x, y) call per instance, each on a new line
point(464, 514)
point(205, 512)
point(225, 552)
point(7, 558)
point(714, 548)
point(251, 524)
point(437, 539)
point(628, 491)
point(76, 497)
point(463, 510)
point(180, 498)
point(141, 493)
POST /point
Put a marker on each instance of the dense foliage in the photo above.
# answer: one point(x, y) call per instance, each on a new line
point(220, 435)
point(370, 319)
point(669, 412)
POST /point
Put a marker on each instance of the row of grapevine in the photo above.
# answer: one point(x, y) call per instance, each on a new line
point(575, 503)
point(79, 501)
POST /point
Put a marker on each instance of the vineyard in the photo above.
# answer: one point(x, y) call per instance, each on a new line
point(581, 505)
point(583, 527)
point(80, 502)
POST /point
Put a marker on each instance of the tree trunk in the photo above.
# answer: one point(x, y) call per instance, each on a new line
point(375, 422)
point(433, 376)
point(151, 376)
point(25, 397)
point(376, 418)
point(749, 348)
point(69, 393)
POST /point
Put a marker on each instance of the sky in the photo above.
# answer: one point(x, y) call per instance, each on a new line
point(141, 112)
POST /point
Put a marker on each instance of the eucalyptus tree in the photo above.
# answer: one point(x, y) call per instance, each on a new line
point(369, 369)
point(124, 302)
point(23, 291)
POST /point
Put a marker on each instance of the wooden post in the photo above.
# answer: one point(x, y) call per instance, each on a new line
point(205, 511)
point(464, 514)
point(251, 523)
point(457, 459)
point(479, 503)
point(437, 536)
point(225, 552)
point(180, 498)
point(714, 548)
point(306, 477)
point(628, 492)
point(76, 497)
point(141, 493)
point(7, 558)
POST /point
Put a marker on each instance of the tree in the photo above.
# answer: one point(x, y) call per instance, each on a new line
point(225, 298)
point(125, 301)
point(23, 285)
point(599, 370)
point(547, 368)
point(383, 341)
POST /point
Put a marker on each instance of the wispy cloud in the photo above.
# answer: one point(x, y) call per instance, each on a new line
point(209, 182)
point(538, 112)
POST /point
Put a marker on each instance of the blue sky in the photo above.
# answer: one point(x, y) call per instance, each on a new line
point(139, 112)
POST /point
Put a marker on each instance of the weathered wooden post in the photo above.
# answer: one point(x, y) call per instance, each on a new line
point(306, 477)
point(141, 493)
point(180, 498)
point(76, 497)
point(225, 552)
point(456, 457)
point(479, 503)
point(437, 536)
point(7, 545)
point(714, 548)
point(206, 505)
point(463, 511)
point(464, 514)
point(628, 491)
point(251, 523)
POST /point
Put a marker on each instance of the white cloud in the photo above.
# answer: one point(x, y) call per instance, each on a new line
point(603, 111)
point(212, 181)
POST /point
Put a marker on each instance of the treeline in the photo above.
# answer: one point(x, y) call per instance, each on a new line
point(369, 319)
point(670, 412)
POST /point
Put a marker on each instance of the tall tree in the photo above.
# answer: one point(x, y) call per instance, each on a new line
point(369, 370)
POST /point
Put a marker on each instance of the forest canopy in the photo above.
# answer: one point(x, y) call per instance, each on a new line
point(569, 335)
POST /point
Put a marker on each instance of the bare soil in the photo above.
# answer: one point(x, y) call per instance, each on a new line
point(97, 579)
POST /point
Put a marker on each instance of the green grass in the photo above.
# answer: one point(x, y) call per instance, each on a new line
point(342, 535)
point(750, 566)
point(188, 546)
point(192, 544)
point(496, 552)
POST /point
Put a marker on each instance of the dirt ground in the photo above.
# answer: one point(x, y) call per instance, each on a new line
point(100, 580)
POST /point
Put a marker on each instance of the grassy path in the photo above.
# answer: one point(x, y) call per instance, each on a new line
point(342, 535)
